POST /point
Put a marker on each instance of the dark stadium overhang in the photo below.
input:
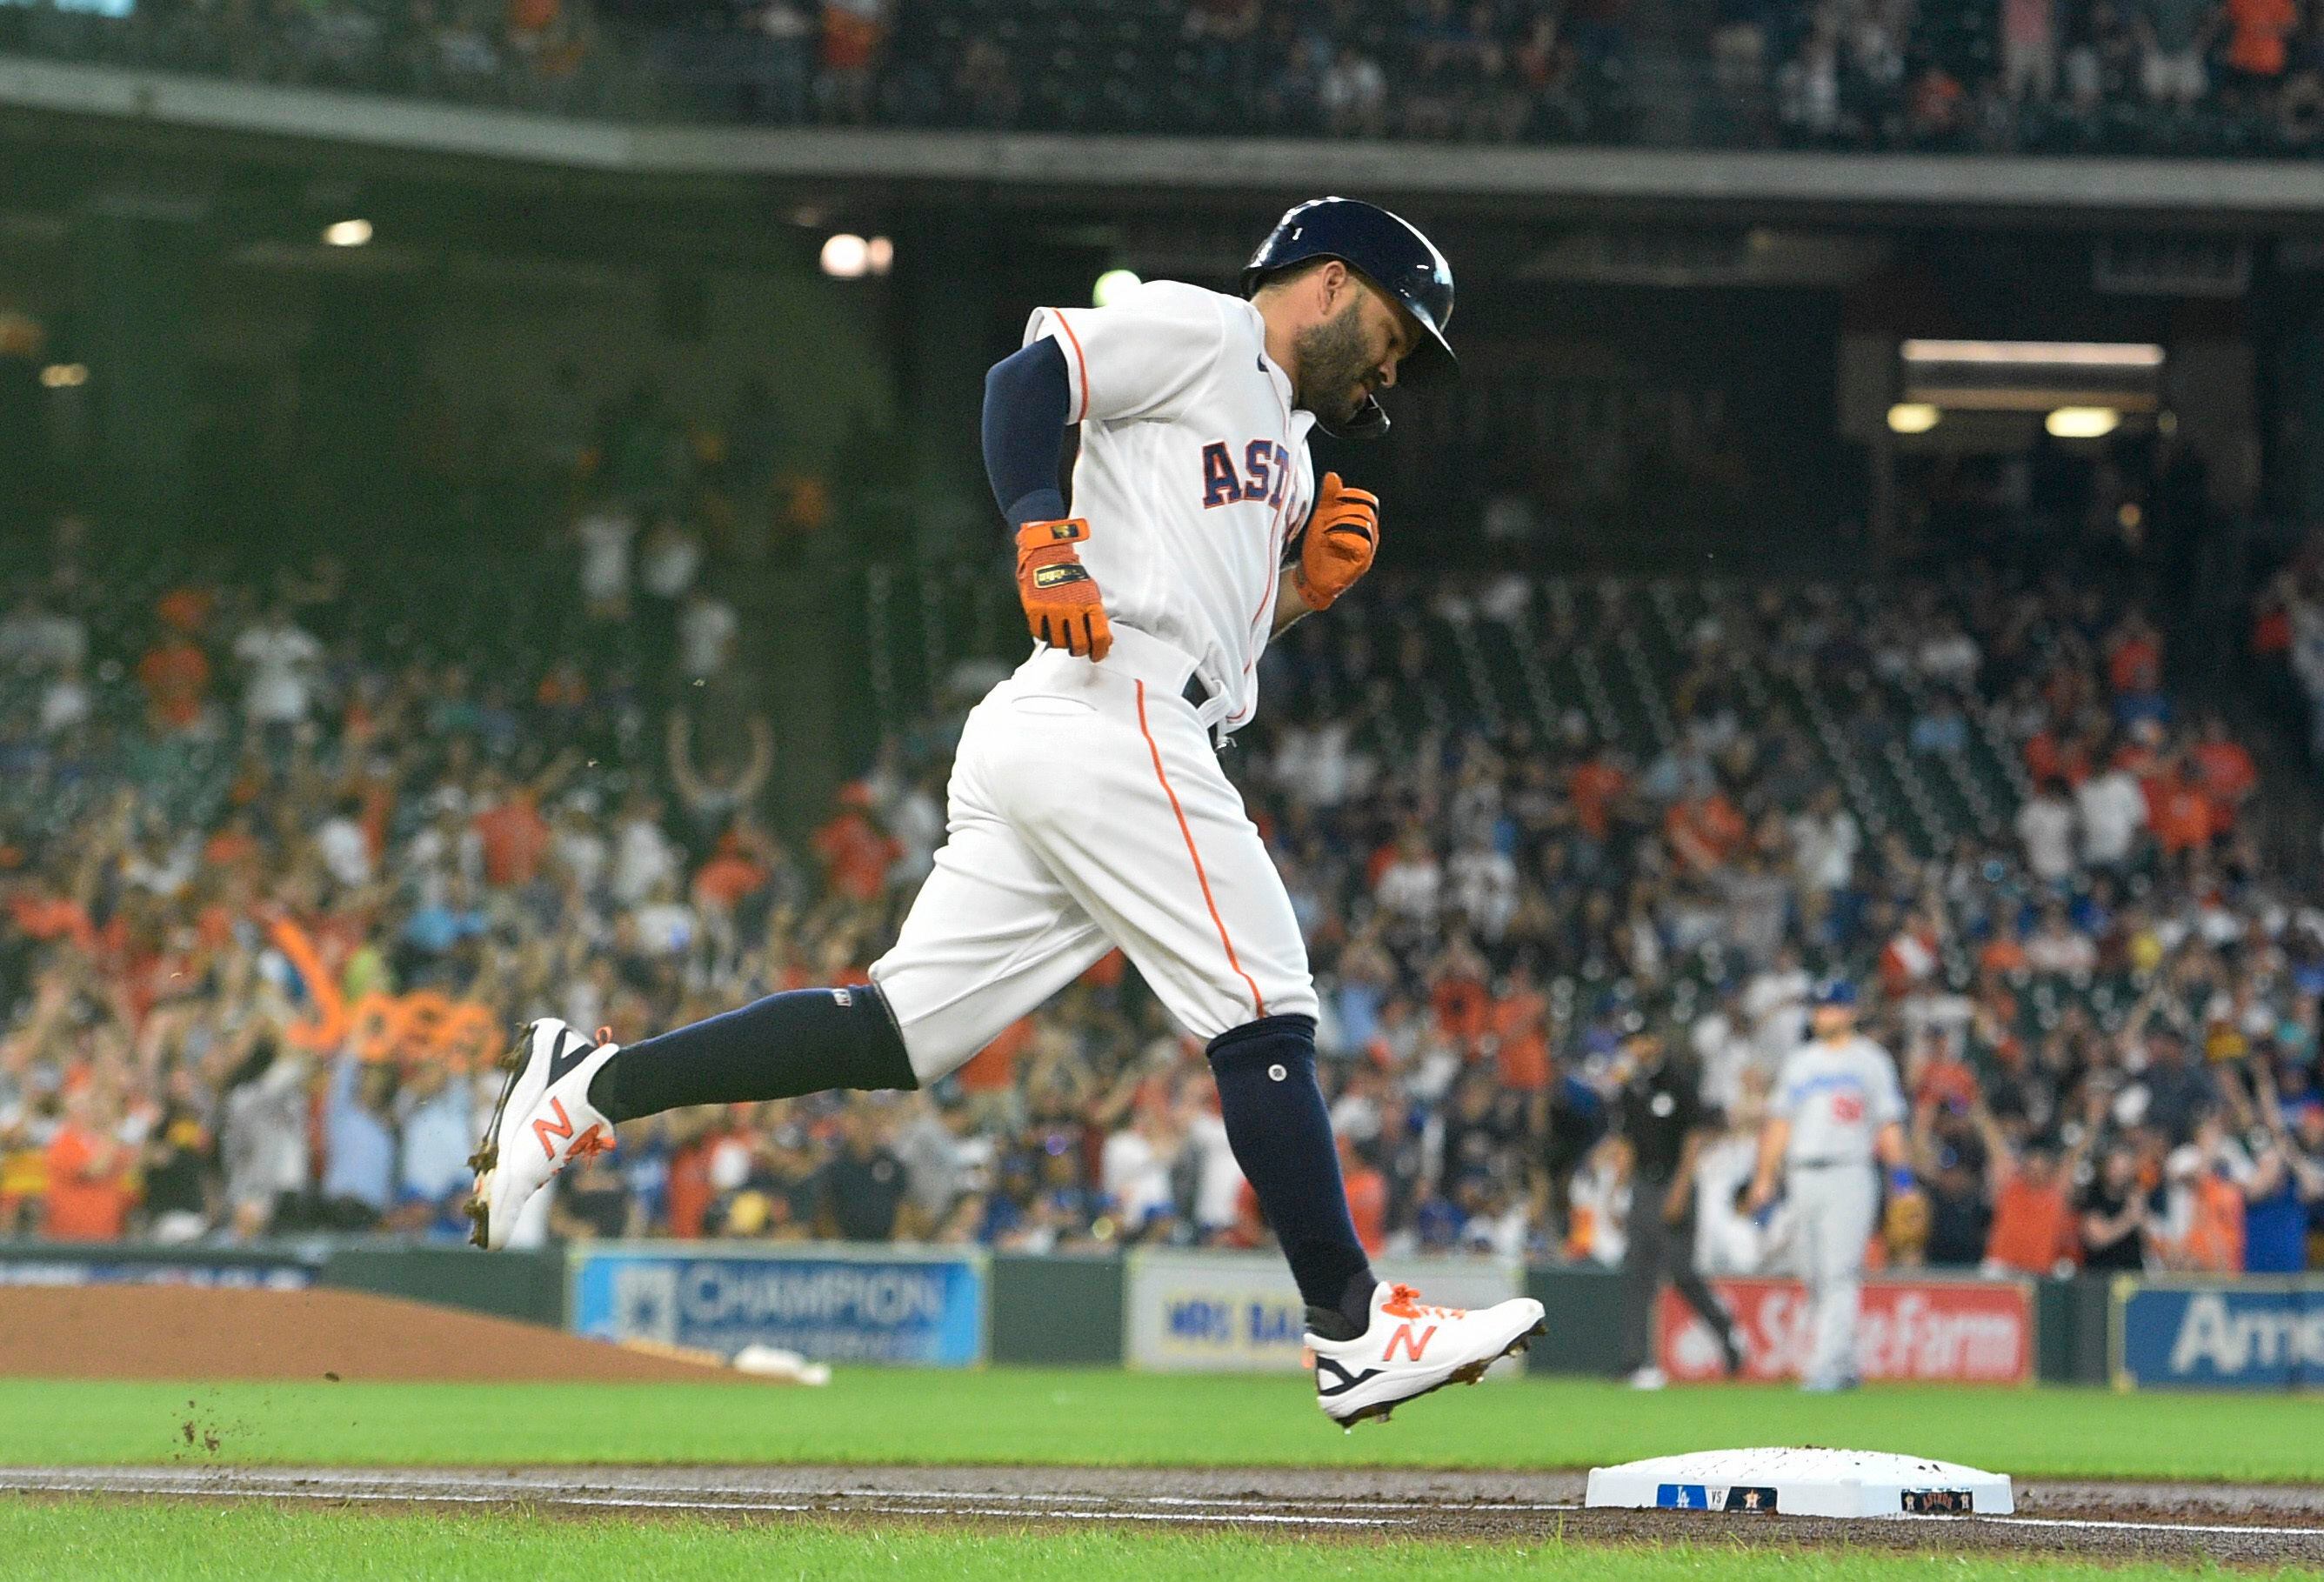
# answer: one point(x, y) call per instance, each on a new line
point(50, 101)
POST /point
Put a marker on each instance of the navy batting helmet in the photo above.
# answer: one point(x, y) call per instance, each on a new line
point(1386, 250)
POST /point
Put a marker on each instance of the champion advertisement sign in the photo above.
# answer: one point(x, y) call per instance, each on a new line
point(2219, 1334)
point(1950, 1331)
point(829, 1304)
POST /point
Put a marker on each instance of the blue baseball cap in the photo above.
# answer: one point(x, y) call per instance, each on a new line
point(1835, 991)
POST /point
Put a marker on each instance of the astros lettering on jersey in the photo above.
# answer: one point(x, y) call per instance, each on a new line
point(1194, 473)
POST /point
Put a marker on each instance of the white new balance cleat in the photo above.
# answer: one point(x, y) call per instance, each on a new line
point(1411, 1348)
point(543, 1122)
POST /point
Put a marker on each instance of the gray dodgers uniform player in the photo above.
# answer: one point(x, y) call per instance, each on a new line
point(1836, 1109)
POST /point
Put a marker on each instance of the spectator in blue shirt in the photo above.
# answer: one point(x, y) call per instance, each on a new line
point(359, 1167)
point(439, 1134)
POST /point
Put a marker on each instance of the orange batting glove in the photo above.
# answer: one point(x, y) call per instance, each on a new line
point(1342, 536)
point(1061, 604)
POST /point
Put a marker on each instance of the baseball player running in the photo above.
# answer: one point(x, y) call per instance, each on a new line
point(1837, 1106)
point(1087, 808)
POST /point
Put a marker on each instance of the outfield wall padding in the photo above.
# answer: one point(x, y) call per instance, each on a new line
point(1063, 1309)
point(527, 1285)
point(1586, 1316)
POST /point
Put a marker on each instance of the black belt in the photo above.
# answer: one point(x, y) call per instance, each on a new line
point(1826, 1164)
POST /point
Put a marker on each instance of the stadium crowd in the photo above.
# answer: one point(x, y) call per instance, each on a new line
point(279, 867)
point(2149, 76)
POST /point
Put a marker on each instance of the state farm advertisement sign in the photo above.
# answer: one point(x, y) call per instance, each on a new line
point(1950, 1331)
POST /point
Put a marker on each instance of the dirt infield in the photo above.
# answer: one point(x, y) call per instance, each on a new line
point(2271, 1526)
point(185, 1332)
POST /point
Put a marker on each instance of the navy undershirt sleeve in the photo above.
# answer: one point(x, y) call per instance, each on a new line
point(1025, 399)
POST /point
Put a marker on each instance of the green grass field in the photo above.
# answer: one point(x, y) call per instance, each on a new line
point(1029, 1416)
point(1100, 1417)
point(247, 1544)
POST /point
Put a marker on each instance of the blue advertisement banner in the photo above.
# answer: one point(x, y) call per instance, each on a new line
point(828, 1304)
point(2218, 1335)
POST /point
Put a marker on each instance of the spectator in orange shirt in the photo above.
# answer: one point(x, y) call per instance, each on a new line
point(89, 1192)
point(1705, 831)
point(856, 853)
point(733, 872)
point(2004, 952)
point(176, 677)
point(186, 608)
point(514, 834)
point(1596, 783)
point(234, 843)
point(854, 32)
point(2257, 30)
point(2032, 1217)
point(2134, 658)
point(2177, 811)
point(1518, 1024)
point(40, 913)
point(2225, 772)
point(2203, 1223)
point(1458, 995)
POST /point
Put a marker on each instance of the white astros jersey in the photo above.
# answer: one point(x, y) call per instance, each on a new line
point(1194, 473)
point(1837, 1098)
point(1087, 808)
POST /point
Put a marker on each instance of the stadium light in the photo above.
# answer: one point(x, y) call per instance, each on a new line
point(2037, 354)
point(64, 375)
point(1113, 285)
point(1912, 418)
point(847, 256)
point(348, 233)
point(2083, 422)
point(879, 253)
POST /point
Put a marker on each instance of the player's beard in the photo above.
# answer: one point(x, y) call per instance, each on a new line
point(1335, 360)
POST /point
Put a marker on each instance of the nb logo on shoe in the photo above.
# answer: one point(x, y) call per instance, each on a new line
point(551, 1132)
point(1413, 1344)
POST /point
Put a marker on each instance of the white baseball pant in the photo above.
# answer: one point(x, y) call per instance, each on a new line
point(1087, 809)
point(1834, 1207)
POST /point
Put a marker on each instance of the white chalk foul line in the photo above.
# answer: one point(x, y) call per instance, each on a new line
point(417, 1491)
point(1018, 1513)
point(1221, 1502)
point(257, 1491)
point(545, 1484)
point(2217, 1529)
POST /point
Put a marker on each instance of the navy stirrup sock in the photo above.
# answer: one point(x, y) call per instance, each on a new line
point(1281, 1136)
point(779, 1047)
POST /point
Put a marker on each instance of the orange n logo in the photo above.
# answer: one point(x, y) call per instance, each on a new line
point(563, 1127)
point(1414, 1344)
